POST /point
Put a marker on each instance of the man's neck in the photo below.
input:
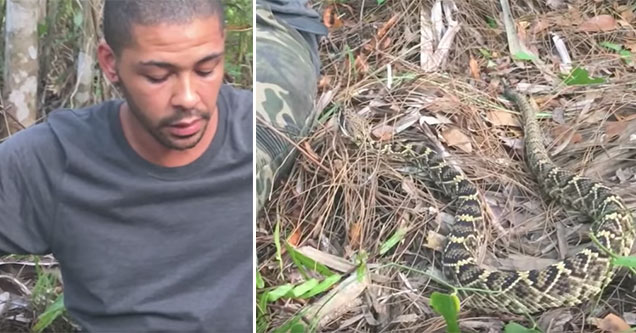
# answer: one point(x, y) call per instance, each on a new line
point(151, 150)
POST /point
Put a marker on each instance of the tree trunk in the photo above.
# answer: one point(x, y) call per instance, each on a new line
point(21, 63)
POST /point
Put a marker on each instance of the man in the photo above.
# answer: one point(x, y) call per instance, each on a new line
point(143, 201)
point(287, 69)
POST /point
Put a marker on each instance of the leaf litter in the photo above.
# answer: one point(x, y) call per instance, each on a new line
point(447, 60)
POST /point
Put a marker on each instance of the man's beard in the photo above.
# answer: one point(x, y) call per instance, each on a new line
point(156, 132)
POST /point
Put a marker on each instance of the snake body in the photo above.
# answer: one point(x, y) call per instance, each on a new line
point(565, 283)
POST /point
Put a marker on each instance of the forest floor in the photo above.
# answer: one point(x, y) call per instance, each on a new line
point(348, 242)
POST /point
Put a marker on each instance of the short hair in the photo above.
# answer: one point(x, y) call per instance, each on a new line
point(120, 15)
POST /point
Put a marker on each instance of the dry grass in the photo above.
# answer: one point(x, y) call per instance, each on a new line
point(344, 200)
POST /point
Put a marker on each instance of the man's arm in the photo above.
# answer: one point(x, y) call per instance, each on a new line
point(31, 163)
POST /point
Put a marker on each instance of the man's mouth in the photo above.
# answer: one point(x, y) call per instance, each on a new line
point(186, 127)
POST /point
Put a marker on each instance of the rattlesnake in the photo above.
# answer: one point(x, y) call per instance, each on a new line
point(565, 283)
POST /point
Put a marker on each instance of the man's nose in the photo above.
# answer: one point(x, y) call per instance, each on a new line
point(185, 96)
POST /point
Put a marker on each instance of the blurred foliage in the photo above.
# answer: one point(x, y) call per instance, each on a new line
point(238, 46)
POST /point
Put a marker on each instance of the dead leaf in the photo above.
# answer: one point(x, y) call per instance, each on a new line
point(435, 241)
point(614, 129)
point(474, 68)
point(354, 234)
point(294, 238)
point(386, 43)
point(361, 64)
point(324, 82)
point(611, 323)
point(330, 18)
point(502, 118)
point(383, 132)
point(438, 119)
point(627, 15)
point(539, 26)
point(386, 26)
point(630, 318)
point(599, 23)
point(454, 137)
point(562, 132)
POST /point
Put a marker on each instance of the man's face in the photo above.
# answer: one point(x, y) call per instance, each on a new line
point(170, 77)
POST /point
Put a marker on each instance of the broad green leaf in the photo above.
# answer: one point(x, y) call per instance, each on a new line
point(447, 306)
point(393, 240)
point(304, 287)
point(50, 314)
point(625, 261)
point(580, 76)
point(380, 2)
point(297, 328)
point(523, 56)
point(279, 292)
point(513, 327)
point(322, 286)
point(302, 260)
point(262, 302)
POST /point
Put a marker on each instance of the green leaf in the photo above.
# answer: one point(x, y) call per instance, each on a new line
point(78, 19)
point(322, 286)
point(279, 292)
point(513, 327)
point(43, 28)
point(297, 328)
point(393, 240)
point(625, 261)
point(491, 22)
point(625, 55)
point(303, 261)
point(580, 76)
point(380, 2)
point(611, 46)
point(50, 314)
point(304, 287)
point(260, 283)
point(361, 259)
point(523, 56)
point(262, 302)
point(279, 257)
point(447, 306)
point(485, 53)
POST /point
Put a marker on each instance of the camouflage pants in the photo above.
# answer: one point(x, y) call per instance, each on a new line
point(284, 96)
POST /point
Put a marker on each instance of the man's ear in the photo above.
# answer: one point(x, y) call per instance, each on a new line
point(107, 61)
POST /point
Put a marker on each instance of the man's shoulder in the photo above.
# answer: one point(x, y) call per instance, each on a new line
point(236, 97)
point(239, 102)
point(91, 116)
point(239, 113)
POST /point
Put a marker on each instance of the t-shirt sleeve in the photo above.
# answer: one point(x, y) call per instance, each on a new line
point(31, 163)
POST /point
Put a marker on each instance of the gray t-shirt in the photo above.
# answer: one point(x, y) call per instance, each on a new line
point(141, 247)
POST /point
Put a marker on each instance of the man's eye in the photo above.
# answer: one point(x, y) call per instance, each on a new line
point(156, 79)
point(204, 73)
